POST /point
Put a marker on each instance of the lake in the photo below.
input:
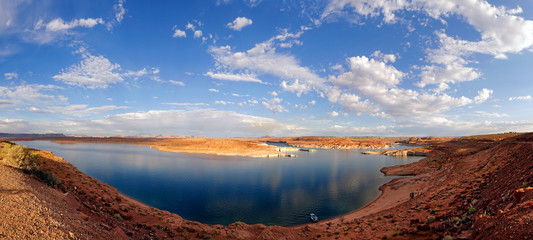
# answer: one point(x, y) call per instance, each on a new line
point(224, 189)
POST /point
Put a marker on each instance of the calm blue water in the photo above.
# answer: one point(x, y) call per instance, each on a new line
point(221, 190)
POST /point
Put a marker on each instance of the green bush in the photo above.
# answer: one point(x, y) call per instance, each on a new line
point(47, 177)
point(472, 210)
point(19, 157)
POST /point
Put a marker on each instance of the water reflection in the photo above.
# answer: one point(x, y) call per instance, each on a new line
point(222, 190)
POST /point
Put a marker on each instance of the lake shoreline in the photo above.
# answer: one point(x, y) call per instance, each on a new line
point(450, 189)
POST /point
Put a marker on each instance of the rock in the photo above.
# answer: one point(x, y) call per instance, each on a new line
point(465, 235)
point(119, 234)
point(71, 200)
point(83, 216)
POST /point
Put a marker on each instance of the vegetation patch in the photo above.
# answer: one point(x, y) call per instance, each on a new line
point(21, 157)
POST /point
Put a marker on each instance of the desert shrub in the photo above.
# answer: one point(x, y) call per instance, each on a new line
point(47, 177)
point(19, 157)
point(472, 210)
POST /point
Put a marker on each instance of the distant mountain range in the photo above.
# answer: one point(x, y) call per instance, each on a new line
point(33, 135)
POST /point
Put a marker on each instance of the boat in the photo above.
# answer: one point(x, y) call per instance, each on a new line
point(313, 217)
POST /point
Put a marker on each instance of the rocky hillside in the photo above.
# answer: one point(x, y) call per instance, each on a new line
point(469, 188)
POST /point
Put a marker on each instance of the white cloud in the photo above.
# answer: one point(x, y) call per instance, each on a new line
point(378, 82)
point(8, 13)
point(213, 90)
point(483, 95)
point(34, 94)
point(79, 110)
point(333, 114)
point(368, 74)
point(386, 58)
point(235, 77)
point(425, 125)
point(338, 130)
point(274, 105)
point(528, 97)
point(179, 33)
point(11, 75)
point(177, 83)
point(239, 23)
point(488, 114)
point(198, 34)
point(186, 104)
point(221, 102)
point(264, 59)
point(252, 102)
point(119, 11)
point(190, 26)
point(239, 95)
point(501, 31)
point(200, 122)
point(92, 72)
point(312, 102)
point(10, 125)
point(135, 74)
point(369, 86)
point(59, 24)
point(253, 3)
point(273, 94)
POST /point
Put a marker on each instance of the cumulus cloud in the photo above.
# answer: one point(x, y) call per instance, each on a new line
point(239, 23)
point(198, 34)
point(59, 24)
point(234, 77)
point(483, 95)
point(57, 29)
point(213, 90)
point(368, 86)
point(264, 59)
point(333, 114)
point(502, 32)
point(99, 72)
point(179, 34)
point(92, 72)
point(379, 84)
point(386, 58)
point(274, 105)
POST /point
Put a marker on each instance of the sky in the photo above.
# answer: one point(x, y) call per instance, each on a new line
point(250, 68)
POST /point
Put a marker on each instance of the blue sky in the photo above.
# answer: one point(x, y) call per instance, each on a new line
point(248, 68)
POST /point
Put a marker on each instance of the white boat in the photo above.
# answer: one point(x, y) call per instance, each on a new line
point(313, 217)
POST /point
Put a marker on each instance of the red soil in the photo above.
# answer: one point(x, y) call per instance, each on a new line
point(466, 189)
